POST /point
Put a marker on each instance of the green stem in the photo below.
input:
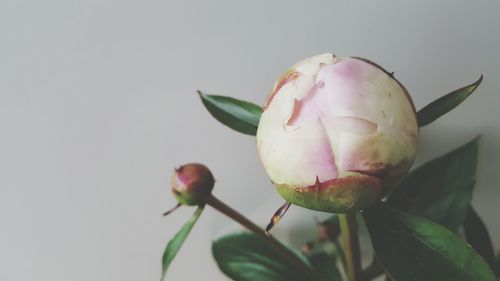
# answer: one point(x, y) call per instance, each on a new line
point(280, 248)
point(350, 244)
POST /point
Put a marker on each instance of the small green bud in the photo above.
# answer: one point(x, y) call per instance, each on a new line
point(192, 184)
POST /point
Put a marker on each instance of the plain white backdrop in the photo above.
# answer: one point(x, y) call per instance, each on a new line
point(98, 104)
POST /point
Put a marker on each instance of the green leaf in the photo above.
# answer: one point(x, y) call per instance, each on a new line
point(497, 265)
point(441, 189)
point(326, 265)
point(248, 257)
point(478, 237)
point(175, 244)
point(412, 248)
point(238, 115)
point(444, 104)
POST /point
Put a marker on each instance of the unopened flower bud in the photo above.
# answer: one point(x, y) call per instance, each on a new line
point(337, 133)
point(192, 184)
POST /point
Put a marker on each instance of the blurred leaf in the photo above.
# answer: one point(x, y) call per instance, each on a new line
point(441, 189)
point(175, 244)
point(478, 237)
point(444, 104)
point(497, 265)
point(326, 265)
point(248, 257)
point(238, 115)
point(412, 248)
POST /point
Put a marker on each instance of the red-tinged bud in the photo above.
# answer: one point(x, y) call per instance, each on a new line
point(192, 184)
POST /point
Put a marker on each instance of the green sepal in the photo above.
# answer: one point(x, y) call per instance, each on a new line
point(176, 242)
point(238, 115)
point(444, 104)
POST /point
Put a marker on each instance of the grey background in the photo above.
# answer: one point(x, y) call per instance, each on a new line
point(98, 104)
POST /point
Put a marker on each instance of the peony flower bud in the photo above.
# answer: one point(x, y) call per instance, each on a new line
point(337, 133)
point(192, 184)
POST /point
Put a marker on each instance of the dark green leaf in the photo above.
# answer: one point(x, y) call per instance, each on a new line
point(326, 265)
point(238, 115)
point(478, 237)
point(248, 257)
point(412, 248)
point(441, 189)
point(175, 244)
point(497, 265)
point(446, 103)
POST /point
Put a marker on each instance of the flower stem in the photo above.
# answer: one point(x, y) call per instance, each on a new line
point(278, 246)
point(350, 244)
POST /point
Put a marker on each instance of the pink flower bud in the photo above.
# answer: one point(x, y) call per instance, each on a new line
point(337, 133)
point(192, 184)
